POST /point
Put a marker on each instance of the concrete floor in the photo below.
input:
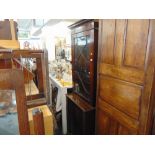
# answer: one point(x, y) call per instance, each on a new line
point(9, 125)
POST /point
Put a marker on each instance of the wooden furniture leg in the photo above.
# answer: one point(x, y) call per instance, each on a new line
point(38, 122)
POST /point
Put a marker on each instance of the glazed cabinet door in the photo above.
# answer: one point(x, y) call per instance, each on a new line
point(83, 64)
point(124, 50)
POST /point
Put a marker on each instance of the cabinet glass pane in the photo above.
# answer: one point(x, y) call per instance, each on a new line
point(81, 66)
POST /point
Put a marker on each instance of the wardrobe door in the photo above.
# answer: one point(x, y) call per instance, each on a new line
point(124, 47)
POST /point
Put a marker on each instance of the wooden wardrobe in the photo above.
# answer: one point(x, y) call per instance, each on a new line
point(126, 77)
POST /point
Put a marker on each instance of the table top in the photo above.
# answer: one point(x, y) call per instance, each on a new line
point(61, 83)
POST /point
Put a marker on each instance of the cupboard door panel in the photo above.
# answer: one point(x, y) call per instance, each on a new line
point(108, 125)
point(117, 115)
point(125, 51)
point(130, 75)
point(108, 41)
point(119, 41)
point(122, 95)
point(136, 43)
point(102, 123)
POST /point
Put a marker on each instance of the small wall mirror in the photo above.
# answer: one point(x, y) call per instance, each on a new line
point(62, 49)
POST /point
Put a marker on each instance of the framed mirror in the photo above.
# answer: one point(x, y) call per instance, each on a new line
point(13, 99)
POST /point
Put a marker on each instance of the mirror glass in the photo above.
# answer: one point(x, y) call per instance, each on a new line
point(8, 113)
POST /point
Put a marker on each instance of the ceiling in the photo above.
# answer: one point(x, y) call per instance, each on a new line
point(27, 24)
point(36, 25)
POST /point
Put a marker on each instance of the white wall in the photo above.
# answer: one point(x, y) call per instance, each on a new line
point(34, 43)
point(49, 33)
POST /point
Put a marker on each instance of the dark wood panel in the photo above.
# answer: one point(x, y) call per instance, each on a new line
point(83, 25)
point(40, 75)
point(80, 116)
point(136, 43)
point(35, 96)
point(122, 95)
point(21, 53)
point(108, 41)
